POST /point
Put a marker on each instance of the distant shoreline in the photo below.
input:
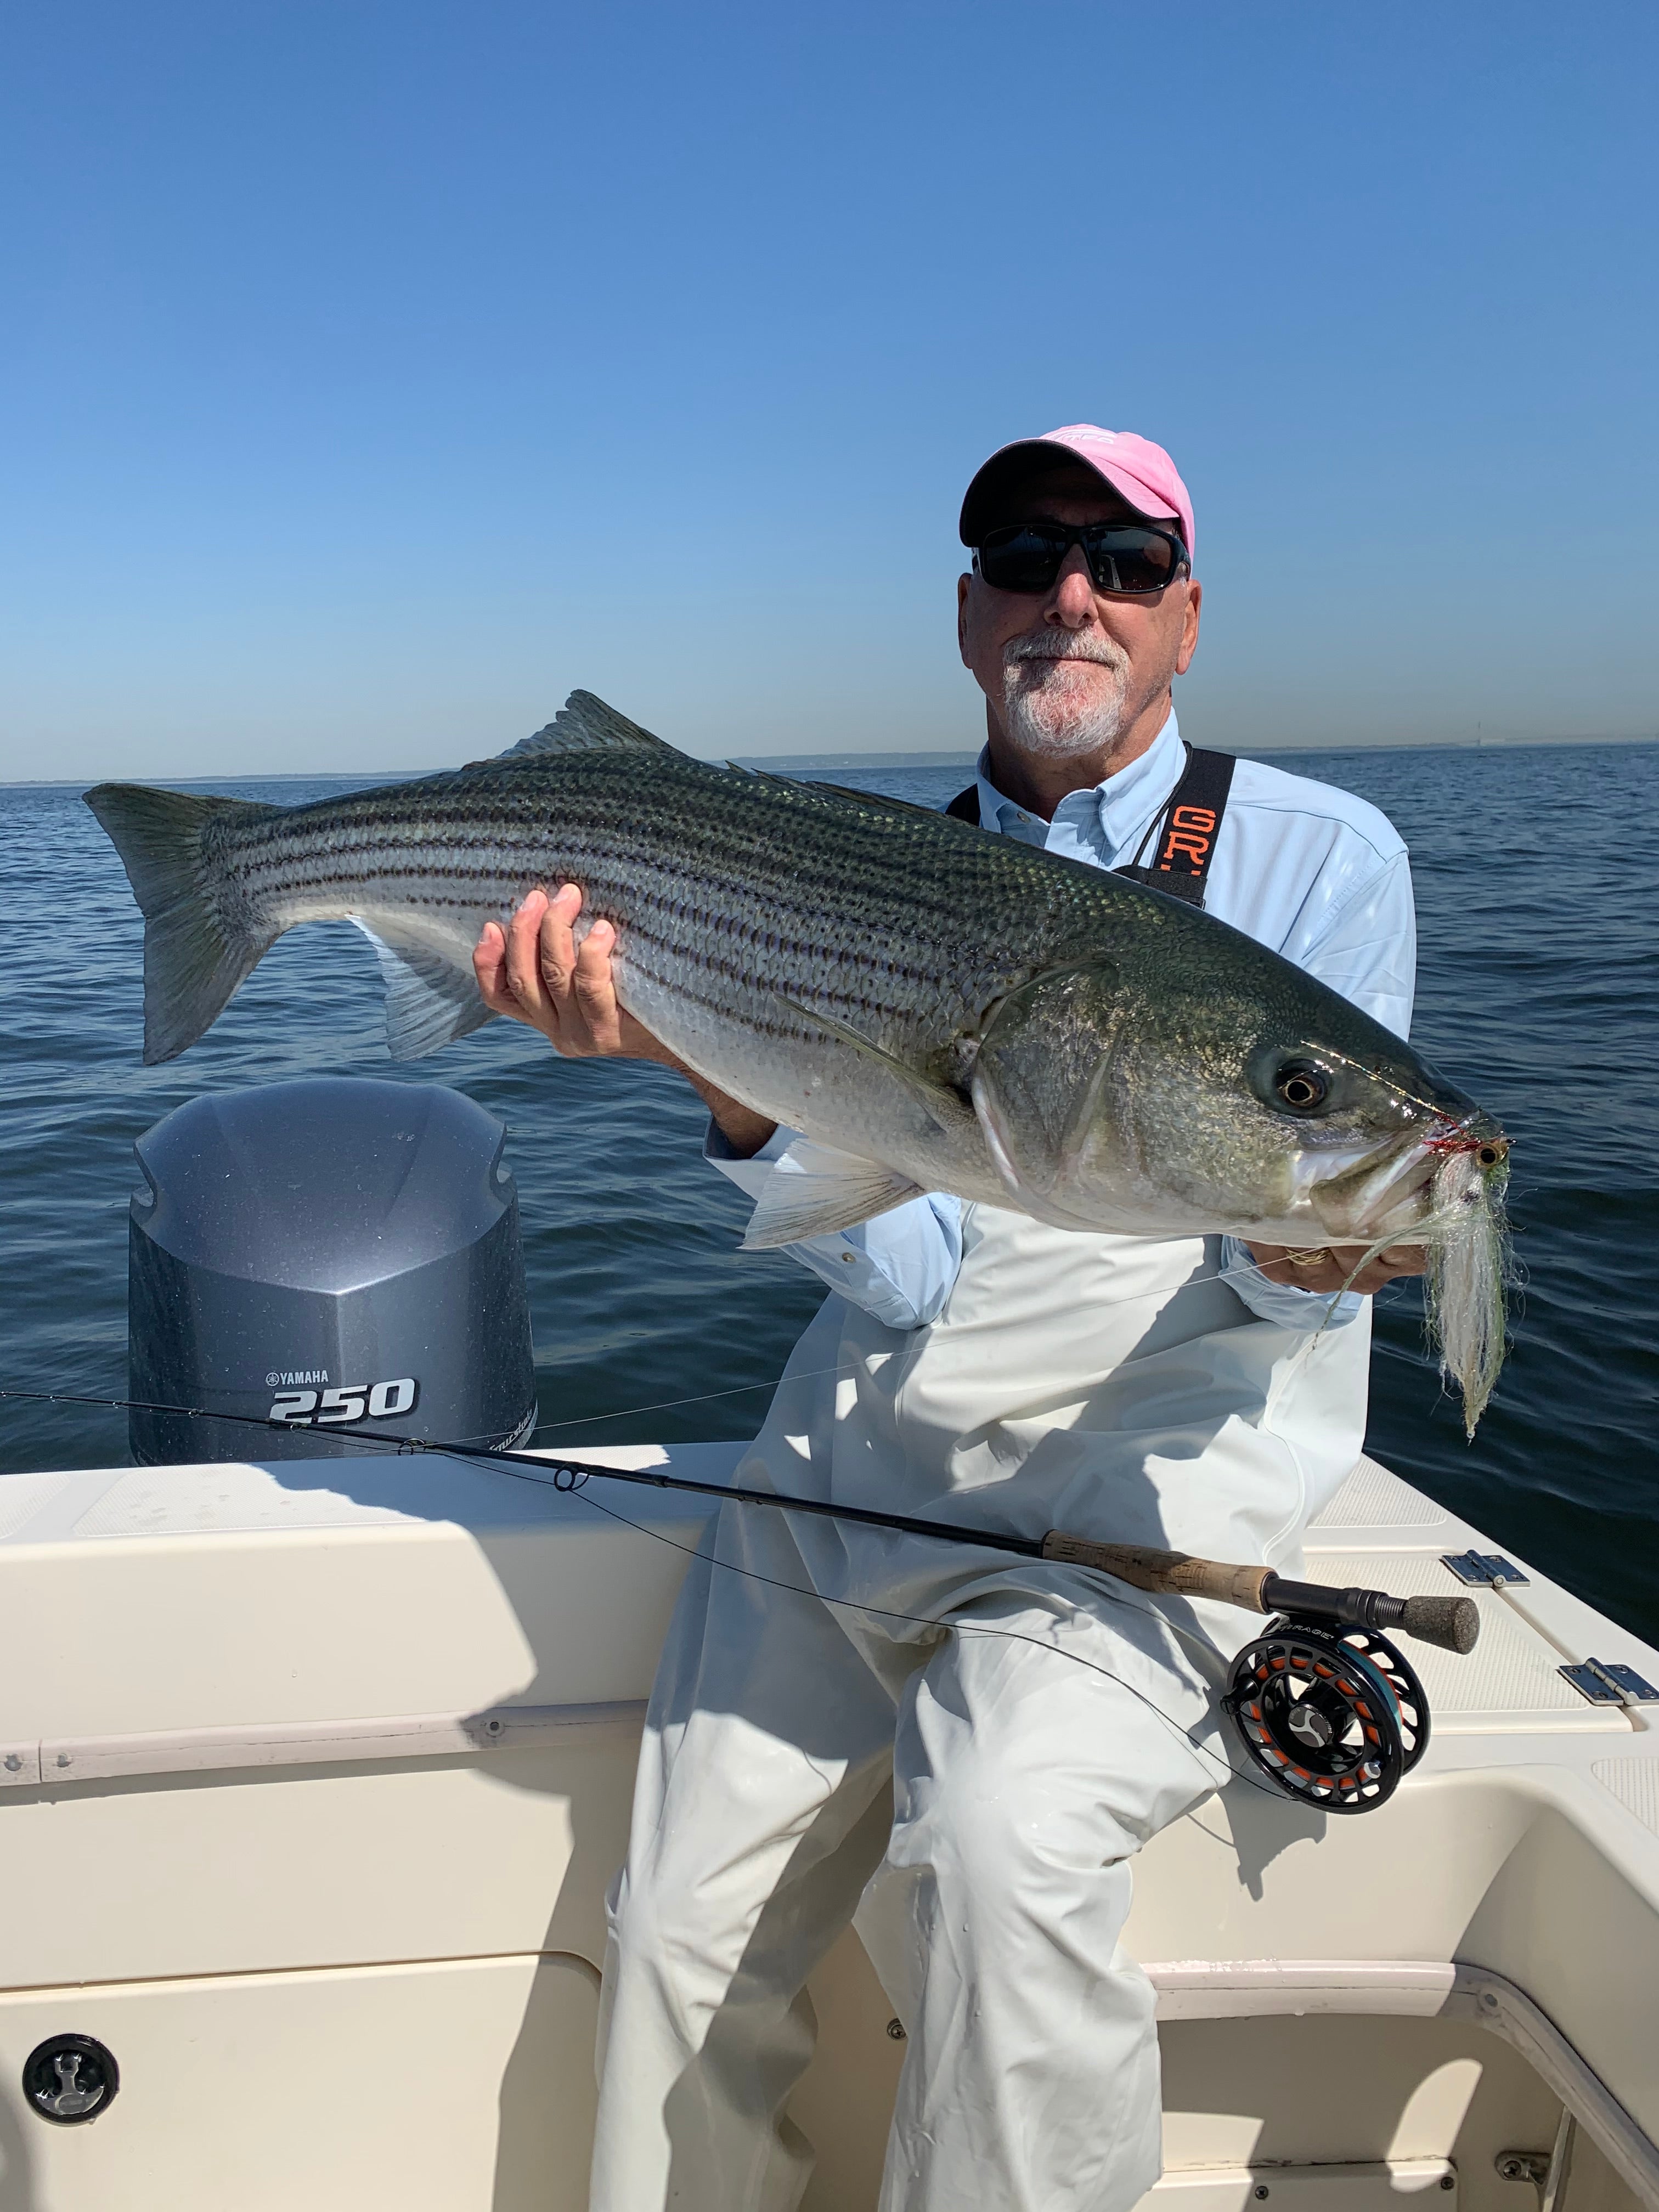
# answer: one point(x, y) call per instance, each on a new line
point(823, 763)
point(967, 760)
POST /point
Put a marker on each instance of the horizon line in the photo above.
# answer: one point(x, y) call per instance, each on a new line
point(944, 758)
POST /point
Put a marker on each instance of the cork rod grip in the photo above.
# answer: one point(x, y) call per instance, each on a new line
point(1169, 1574)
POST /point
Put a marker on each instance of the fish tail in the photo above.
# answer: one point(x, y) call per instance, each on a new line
point(196, 953)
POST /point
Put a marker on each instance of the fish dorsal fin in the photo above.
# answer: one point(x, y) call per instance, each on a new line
point(586, 725)
point(880, 801)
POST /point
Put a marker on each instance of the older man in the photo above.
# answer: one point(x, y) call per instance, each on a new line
point(978, 1749)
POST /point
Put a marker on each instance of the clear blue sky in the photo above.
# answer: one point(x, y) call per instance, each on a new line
point(374, 371)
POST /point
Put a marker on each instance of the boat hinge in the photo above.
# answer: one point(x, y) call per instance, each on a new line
point(1490, 1567)
point(1605, 1683)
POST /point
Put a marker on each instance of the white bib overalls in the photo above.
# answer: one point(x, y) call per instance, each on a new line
point(990, 1780)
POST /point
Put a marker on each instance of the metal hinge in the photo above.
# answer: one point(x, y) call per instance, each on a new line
point(1605, 1683)
point(1546, 2170)
point(1490, 1567)
point(1533, 2165)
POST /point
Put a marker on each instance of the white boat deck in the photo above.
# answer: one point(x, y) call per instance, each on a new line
point(334, 1758)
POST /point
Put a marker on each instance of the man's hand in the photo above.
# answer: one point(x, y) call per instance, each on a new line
point(534, 971)
point(1329, 1268)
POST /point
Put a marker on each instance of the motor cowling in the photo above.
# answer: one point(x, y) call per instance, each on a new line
point(327, 1255)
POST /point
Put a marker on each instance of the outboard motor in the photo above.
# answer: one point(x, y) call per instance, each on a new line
point(329, 1255)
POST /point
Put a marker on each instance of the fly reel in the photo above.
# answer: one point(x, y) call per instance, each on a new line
point(1331, 1714)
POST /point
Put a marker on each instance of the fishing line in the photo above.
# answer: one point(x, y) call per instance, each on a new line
point(963, 1628)
point(384, 1446)
point(542, 1428)
point(663, 1405)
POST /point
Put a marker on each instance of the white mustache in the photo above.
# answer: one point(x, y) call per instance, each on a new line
point(1065, 645)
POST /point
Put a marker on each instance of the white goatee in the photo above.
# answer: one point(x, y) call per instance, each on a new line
point(1063, 691)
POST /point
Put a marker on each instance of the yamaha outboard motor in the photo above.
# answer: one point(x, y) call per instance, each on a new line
point(329, 1255)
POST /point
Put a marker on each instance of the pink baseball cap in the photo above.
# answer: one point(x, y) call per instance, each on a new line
point(1135, 468)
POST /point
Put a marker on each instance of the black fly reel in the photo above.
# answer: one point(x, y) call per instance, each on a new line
point(1332, 1716)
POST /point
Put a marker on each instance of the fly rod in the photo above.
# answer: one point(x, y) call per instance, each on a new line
point(1453, 1623)
point(1324, 1707)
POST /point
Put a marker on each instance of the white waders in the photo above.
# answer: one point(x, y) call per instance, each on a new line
point(796, 1749)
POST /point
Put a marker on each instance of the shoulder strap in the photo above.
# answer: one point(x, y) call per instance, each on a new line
point(1185, 840)
point(1186, 832)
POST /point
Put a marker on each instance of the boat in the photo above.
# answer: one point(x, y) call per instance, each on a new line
point(313, 1775)
point(316, 1761)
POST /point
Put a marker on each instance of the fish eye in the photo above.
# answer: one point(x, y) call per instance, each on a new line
point(1302, 1087)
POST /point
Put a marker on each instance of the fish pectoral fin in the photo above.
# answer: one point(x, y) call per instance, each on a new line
point(1042, 1059)
point(429, 1001)
point(586, 725)
point(814, 1192)
point(947, 1109)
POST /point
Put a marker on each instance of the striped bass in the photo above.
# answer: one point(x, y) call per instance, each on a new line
point(935, 1007)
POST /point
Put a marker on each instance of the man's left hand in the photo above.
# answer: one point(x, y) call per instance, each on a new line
point(1330, 1267)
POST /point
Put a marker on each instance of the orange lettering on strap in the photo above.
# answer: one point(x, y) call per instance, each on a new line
point(1193, 848)
point(1194, 817)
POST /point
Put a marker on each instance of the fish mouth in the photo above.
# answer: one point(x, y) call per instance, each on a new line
point(1386, 1195)
point(1442, 1191)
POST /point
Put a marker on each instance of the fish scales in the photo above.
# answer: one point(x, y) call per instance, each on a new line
point(708, 882)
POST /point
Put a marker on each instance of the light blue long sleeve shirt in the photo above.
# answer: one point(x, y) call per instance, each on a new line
point(1310, 871)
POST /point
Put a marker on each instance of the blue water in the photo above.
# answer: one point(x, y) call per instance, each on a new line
point(1538, 992)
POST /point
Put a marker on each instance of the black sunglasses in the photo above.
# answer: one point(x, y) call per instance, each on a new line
point(1131, 558)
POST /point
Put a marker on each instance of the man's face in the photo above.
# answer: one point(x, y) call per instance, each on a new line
point(1065, 672)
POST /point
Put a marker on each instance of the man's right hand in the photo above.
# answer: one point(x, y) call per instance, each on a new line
point(534, 971)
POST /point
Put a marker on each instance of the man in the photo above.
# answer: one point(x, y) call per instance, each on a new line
point(994, 1740)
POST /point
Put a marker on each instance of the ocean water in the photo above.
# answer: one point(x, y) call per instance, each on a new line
point(1538, 992)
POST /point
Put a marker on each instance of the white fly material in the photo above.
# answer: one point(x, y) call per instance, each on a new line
point(1467, 1274)
point(1467, 1237)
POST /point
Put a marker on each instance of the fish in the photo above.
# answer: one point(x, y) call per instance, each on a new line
point(931, 1006)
